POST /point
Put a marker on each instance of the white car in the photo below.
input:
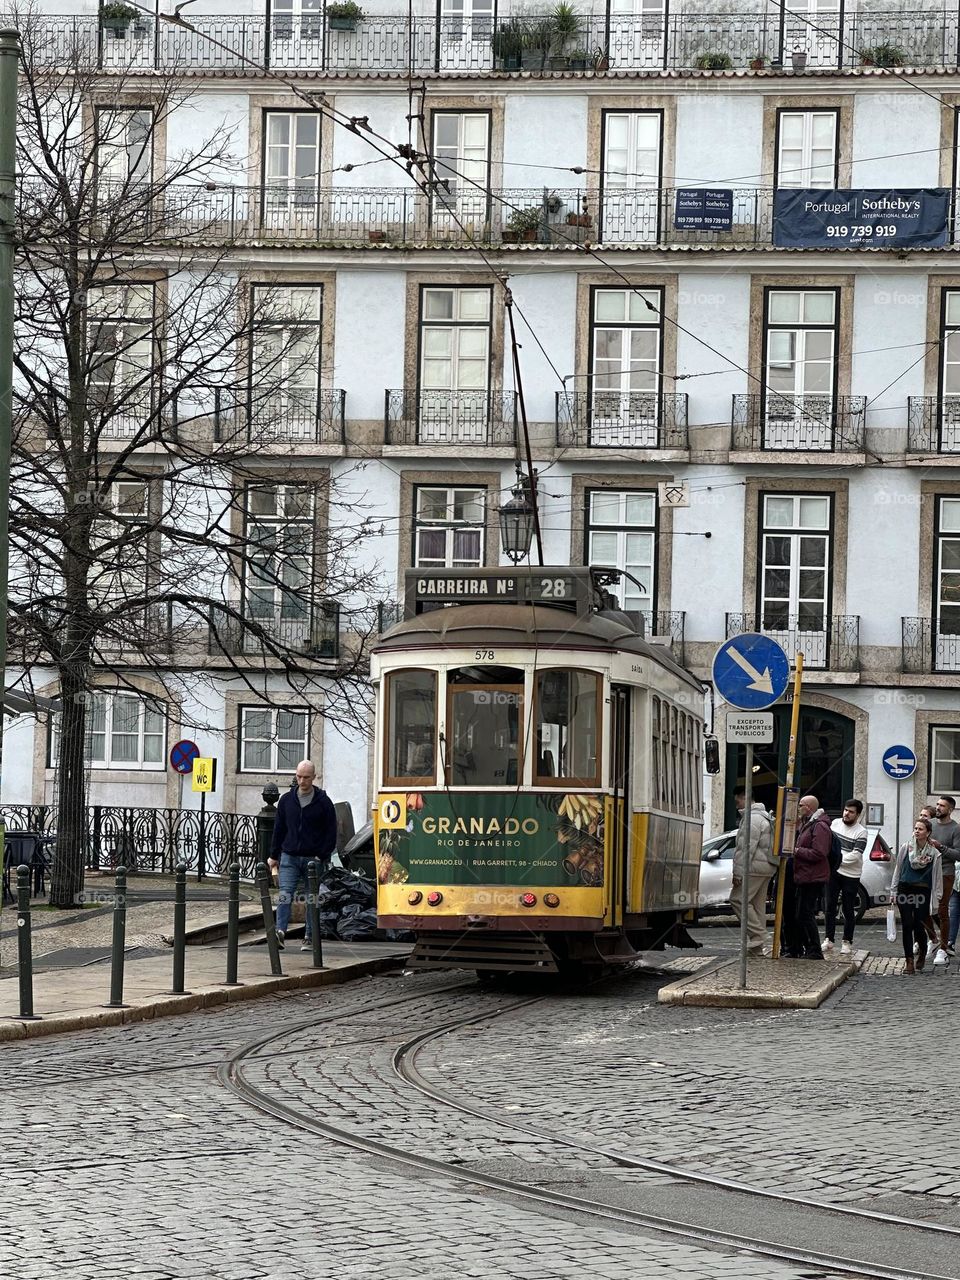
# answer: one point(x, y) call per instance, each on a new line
point(716, 874)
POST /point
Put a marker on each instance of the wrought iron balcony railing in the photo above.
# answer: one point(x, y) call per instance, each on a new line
point(450, 417)
point(799, 423)
point(827, 643)
point(286, 415)
point(927, 649)
point(678, 39)
point(313, 633)
point(933, 424)
point(667, 626)
point(621, 419)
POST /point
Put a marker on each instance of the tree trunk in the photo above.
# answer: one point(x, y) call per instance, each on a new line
point(66, 875)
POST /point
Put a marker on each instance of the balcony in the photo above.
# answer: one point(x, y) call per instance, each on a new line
point(511, 42)
point(933, 424)
point(667, 627)
point(272, 635)
point(833, 645)
point(621, 419)
point(926, 649)
point(798, 423)
point(450, 417)
point(292, 416)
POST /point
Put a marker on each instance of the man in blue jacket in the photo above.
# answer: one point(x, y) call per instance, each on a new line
point(306, 828)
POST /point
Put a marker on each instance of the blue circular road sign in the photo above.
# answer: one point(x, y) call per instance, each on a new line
point(899, 762)
point(751, 671)
point(183, 754)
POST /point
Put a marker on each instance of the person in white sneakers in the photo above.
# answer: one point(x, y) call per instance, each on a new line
point(844, 883)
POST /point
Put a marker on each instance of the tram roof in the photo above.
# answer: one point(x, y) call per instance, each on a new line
point(523, 626)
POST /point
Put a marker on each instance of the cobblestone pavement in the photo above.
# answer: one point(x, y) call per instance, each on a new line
point(129, 1159)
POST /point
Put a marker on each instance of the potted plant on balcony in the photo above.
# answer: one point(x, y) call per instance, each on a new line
point(798, 59)
point(579, 60)
point(537, 43)
point(509, 41)
point(566, 31)
point(117, 17)
point(714, 62)
point(758, 62)
point(575, 219)
point(523, 224)
point(882, 55)
point(343, 15)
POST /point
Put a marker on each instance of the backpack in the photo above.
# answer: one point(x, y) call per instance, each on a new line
point(835, 856)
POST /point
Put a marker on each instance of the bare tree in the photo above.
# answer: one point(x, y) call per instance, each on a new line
point(151, 514)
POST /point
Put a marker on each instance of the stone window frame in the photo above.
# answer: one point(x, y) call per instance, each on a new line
point(773, 104)
point(131, 100)
point(326, 281)
point(582, 481)
point(259, 104)
point(411, 480)
point(416, 283)
point(492, 105)
point(588, 282)
point(938, 286)
point(234, 699)
point(930, 492)
point(597, 106)
point(924, 722)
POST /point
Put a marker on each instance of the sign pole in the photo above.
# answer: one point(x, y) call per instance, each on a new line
point(202, 839)
point(745, 850)
point(897, 845)
point(791, 765)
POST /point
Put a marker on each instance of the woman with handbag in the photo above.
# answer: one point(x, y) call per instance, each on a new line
point(916, 888)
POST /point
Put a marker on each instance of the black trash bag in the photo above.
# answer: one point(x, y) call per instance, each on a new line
point(328, 924)
point(358, 924)
point(401, 935)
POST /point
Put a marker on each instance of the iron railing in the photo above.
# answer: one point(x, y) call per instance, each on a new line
point(389, 613)
point(668, 626)
point(315, 633)
point(933, 424)
point(678, 39)
point(622, 419)
point(828, 643)
point(450, 417)
point(149, 629)
point(926, 649)
point(804, 423)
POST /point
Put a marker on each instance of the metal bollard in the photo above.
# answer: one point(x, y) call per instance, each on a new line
point(269, 923)
point(179, 929)
point(24, 944)
point(313, 907)
point(119, 938)
point(233, 925)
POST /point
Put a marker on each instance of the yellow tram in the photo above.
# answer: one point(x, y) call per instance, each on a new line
point(538, 774)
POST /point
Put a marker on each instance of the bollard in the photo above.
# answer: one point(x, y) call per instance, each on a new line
point(24, 944)
point(179, 929)
point(269, 924)
point(233, 925)
point(313, 907)
point(119, 938)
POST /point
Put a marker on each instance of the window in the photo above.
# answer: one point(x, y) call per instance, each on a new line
point(449, 528)
point(123, 731)
point(807, 149)
point(124, 145)
point(291, 160)
point(485, 727)
point(947, 585)
point(677, 748)
point(273, 739)
point(630, 206)
point(280, 533)
point(297, 19)
point(568, 737)
point(800, 343)
point(950, 373)
point(625, 367)
point(120, 541)
point(795, 569)
point(944, 761)
point(410, 735)
point(622, 534)
point(461, 146)
point(120, 322)
point(285, 360)
point(454, 365)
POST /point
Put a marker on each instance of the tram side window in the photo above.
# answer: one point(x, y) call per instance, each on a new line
point(567, 711)
point(411, 728)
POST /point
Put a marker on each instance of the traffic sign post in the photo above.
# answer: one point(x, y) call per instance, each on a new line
point(204, 770)
point(751, 672)
point(899, 763)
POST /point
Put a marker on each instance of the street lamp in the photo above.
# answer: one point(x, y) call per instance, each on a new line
point(516, 525)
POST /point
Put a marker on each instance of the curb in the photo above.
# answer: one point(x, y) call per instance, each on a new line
point(165, 1006)
point(684, 992)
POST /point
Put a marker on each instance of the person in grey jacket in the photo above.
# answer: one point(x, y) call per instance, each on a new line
point(753, 855)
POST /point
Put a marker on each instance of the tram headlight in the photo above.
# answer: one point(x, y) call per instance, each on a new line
point(435, 898)
point(551, 900)
point(415, 897)
point(528, 899)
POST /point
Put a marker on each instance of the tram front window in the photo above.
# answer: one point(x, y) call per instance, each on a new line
point(411, 728)
point(485, 747)
point(567, 710)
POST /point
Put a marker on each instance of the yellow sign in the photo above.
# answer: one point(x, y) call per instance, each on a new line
point(393, 812)
point(204, 774)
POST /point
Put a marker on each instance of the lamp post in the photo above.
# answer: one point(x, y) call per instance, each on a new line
point(517, 518)
point(9, 53)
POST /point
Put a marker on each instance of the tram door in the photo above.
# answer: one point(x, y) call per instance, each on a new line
point(619, 840)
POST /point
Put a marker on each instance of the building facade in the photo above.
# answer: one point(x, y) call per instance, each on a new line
point(803, 403)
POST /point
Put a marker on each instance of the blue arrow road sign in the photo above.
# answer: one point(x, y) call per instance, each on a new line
point(899, 762)
point(183, 754)
point(751, 671)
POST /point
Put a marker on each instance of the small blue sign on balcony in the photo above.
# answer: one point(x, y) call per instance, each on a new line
point(867, 219)
point(703, 209)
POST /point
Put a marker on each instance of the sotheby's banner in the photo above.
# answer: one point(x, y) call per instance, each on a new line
point(880, 219)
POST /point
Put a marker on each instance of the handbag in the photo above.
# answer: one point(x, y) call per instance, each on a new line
point(891, 925)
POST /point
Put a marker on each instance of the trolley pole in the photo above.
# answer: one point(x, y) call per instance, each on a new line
point(791, 766)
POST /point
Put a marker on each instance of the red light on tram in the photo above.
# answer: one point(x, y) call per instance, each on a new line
point(528, 899)
point(434, 899)
point(551, 900)
point(415, 897)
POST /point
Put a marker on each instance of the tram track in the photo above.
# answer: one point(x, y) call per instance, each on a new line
point(232, 1075)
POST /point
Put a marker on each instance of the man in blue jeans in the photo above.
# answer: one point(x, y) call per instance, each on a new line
point(305, 828)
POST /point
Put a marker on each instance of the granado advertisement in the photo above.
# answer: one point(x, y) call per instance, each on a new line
point(481, 838)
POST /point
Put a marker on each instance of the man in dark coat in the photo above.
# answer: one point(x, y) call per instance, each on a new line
point(811, 872)
point(305, 828)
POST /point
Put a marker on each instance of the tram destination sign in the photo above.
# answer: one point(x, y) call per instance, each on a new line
point(864, 219)
point(562, 587)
